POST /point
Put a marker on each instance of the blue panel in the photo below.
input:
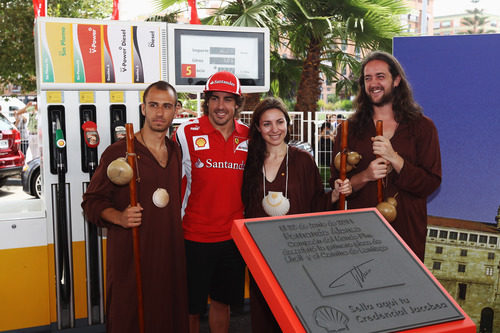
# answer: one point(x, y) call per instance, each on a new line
point(456, 79)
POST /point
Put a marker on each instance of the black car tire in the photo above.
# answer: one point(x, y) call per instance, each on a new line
point(36, 184)
point(3, 181)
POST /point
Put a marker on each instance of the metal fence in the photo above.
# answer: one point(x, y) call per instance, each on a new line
point(320, 141)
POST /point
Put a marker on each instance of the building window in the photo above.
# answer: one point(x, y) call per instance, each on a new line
point(493, 240)
point(357, 52)
point(463, 236)
point(463, 253)
point(483, 239)
point(443, 234)
point(453, 235)
point(473, 238)
point(344, 45)
point(462, 290)
point(436, 265)
point(489, 270)
point(439, 249)
point(491, 255)
point(433, 233)
point(461, 268)
point(446, 24)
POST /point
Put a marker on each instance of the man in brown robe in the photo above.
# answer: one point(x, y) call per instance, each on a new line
point(406, 157)
point(158, 221)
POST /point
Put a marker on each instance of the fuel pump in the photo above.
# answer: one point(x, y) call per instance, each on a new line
point(118, 119)
point(62, 224)
point(89, 140)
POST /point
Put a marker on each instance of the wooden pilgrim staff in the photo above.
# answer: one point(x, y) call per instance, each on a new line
point(380, 193)
point(343, 161)
point(135, 232)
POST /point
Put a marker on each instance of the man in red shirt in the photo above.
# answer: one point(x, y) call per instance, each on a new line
point(214, 152)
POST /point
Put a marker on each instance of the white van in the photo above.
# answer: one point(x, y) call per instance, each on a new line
point(10, 105)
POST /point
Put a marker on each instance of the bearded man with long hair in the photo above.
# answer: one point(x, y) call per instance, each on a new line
point(406, 157)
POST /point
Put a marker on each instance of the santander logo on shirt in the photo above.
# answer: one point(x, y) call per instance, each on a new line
point(211, 164)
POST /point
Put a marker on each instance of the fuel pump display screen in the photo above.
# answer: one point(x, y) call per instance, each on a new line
point(205, 55)
point(200, 52)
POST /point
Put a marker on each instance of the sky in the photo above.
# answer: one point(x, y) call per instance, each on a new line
point(449, 7)
point(129, 9)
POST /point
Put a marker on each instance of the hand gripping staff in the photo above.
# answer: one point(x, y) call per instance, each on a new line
point(343, 161)
point(380, 193)
point(131, 158)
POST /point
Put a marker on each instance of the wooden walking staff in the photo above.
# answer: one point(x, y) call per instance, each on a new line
point(135, 232)
point(343, 161)
point(380, 193)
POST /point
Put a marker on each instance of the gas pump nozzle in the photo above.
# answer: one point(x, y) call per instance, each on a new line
point(90, 134)
point(65, 283)
point(91, 137)
point(93, 246)
point(60, 142)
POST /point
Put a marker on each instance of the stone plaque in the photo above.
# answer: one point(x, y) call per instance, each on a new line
point(350, 272)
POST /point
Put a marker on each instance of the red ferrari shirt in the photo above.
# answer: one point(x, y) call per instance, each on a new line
point(212, 170)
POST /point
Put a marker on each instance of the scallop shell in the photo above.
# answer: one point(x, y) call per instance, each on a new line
point(275, 204)
point(119, 171)
point(331, 319)
point(161, 198)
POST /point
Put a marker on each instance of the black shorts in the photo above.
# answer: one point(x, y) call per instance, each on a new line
point(215, 269)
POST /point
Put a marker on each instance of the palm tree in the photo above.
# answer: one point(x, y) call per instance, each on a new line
point(316, 28)
point(313, 30)
point(476, 22)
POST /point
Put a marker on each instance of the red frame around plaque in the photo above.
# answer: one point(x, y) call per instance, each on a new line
point(277, 300)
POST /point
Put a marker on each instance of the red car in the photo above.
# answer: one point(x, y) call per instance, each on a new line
point(11, 157)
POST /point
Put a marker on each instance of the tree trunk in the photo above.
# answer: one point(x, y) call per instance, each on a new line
point(251, 101)
point(310, 82)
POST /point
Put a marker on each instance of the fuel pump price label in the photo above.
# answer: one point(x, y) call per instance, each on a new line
point(55, 97)
point(87, 97)
point(116, 97)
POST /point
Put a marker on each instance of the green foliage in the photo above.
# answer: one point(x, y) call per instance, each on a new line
point(87, 9)
point(331, 98)
point(314, 31)
point(17, 51)
point(187, 101)
point(476, 22)
point(344, 104)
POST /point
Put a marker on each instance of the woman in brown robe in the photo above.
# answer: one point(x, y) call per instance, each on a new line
point(279, 180)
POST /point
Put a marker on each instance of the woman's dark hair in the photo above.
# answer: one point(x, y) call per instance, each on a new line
point(239, 103)
point(404, 106)
point(257, 150)
point(325, 125)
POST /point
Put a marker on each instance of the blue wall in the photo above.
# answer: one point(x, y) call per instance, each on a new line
point(456, 79)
